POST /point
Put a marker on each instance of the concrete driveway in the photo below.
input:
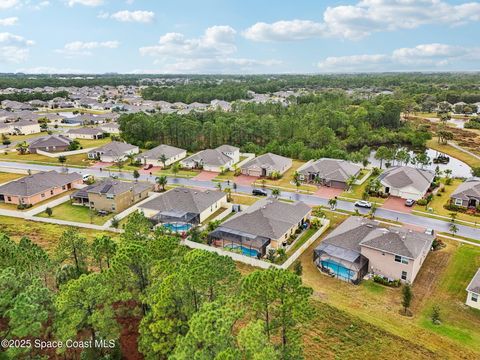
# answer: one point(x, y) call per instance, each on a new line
point(205, 176)
point(396, 204)
point(244, 179)
point(328, 192)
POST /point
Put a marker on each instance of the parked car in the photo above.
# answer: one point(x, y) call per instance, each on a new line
point(147, 167)
point(363, 204)
point(114, 176)
point(259, 192)
point(87, 177)
point(409, 202)
point(429, 231)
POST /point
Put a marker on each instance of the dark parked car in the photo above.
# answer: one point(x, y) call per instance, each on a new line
point(259, 192)
point(147, 167)
point(409, 202)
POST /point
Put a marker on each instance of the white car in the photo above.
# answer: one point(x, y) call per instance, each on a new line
point(86, 177)
point(429, 231)
point(363, 203)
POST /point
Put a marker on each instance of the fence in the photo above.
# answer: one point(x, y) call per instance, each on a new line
point(64, 153)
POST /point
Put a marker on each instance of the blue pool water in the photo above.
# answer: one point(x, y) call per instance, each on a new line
point(177, 227)
point(338, 269)
point(245, 251)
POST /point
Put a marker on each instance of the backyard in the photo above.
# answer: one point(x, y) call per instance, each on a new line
point(77, 213)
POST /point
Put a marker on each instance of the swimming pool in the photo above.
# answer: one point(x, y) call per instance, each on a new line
point(338, 269)
point(177, 227)
point(245, 251)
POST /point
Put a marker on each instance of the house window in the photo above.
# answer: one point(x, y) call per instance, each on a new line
point(51, 192)
point(43, 195)
point(458, 202)
point(474, 297)
point(9, 198)
point(401, 259)
point(404, 275)
point(110, 196)
point(64, 187)
point(113, 207)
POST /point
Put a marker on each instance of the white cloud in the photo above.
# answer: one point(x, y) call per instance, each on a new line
point(91, 3)
point(7, 4)
point(421, 57)
point(141, 16)
point(13, 48)
point(8, 21)
point(366, 17)
point(41, 5)
point(213, 52)
point(77, 48)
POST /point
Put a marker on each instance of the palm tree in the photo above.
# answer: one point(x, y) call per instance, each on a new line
point(131, 157)
point(350, 181)
point(275, 192)
point(22, 147)
point(453, 228)
point(228, 191)
point(175, 169)
point(333, 203)
point(161, 181)
point(163, 159)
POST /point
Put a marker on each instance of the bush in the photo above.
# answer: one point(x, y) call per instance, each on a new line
point(6, 142)
point(23, 206)
point(384, 281)
point(422, 202)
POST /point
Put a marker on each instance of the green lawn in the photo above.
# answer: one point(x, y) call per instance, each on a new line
point(450, 150)
point(85, 143)
point(6, 177)
point(244, 199)
point(214, 215)
point(357, 191)
point(69, 212)
point(286, 180)
point(307, 234)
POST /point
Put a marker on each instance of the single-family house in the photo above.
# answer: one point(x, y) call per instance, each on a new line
point(32, 189)
point(184, 205)
point(329, 172)
point(25, 127)
point(473, 291)
point(406, 182)
point(266, 224)
point(111, 128)
point(169, 154)
point(359, 246)
point(112, 195)
point(467, 194)
point(49, 143)
point(265, 165)
point(85, 133)
point(113, 152)
point(223, 157)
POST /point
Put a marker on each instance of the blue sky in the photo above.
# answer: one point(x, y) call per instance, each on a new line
point(243, 36)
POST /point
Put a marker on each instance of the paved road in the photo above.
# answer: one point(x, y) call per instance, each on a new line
point(424, 222)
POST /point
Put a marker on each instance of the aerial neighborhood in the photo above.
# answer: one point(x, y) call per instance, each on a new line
point(359, 221)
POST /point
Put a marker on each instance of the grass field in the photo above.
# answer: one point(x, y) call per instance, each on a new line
point(85, 143)
point(43, 234)
point(450, 150)
point(6, 177)
point(69, 212)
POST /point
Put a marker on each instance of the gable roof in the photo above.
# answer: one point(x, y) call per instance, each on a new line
point(468, 189)
point(332, 169)
point(268, 161)
point(268, 218)
point(402, 176)
point(114, 148)
point(86, 131)
point(156, 152)
point(184, 200)
point(474, 285)
point(211, 157)
point(114, 187)
point(37, 183)
point(50, 140)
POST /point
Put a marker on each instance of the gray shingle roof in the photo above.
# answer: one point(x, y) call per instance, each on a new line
point(37, 183)
point(269, 218)
point(468, 189)
point(268, 161)
point(332, 169)
point(114, 187)
point(213, 157)
point(184, 199)
point(156, 152)
point(474, 285)
point(114, 148)
point(49, 141)
point(402, 176)
point(86, 131)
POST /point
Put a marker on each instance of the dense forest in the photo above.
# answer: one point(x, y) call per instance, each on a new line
point(203, 93)
point(325, 125)
point(186, 304)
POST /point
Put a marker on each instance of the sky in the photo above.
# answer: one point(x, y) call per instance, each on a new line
point(238, 37)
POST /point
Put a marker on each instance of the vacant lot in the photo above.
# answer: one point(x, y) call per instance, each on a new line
point(83, 214)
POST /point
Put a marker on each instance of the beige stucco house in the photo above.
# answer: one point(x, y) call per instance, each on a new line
point(473, 292)
point(223, 157)
point(172, 154)
point(406, 182)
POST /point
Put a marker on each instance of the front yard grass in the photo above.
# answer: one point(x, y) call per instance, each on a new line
point(286, 180)
point(86, 143)
point(244, 199)
point(357, 191)
point(77, 213)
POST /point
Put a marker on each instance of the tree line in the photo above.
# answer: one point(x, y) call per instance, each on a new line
point(329, 124)
point(187, 304)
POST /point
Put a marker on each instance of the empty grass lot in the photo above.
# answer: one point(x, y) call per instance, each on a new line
point(6, 177)
point(77, 213)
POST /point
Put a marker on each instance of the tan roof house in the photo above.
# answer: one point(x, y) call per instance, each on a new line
point(467, 194)
point(153, 156)
point(265, 165)
point(113, 152)
point(406, 182)
point(223, 157)
point(50, 143)
point(32, 189)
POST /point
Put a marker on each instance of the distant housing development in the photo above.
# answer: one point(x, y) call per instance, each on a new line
point(359, 246)
point(32, 189)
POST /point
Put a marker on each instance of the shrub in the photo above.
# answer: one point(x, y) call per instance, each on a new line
point(422, 202)
point(384, 281)
point(23, 206)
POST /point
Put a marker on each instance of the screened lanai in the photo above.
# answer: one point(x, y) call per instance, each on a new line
point(345, 264)
point(175, 216)
point(248, 244)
